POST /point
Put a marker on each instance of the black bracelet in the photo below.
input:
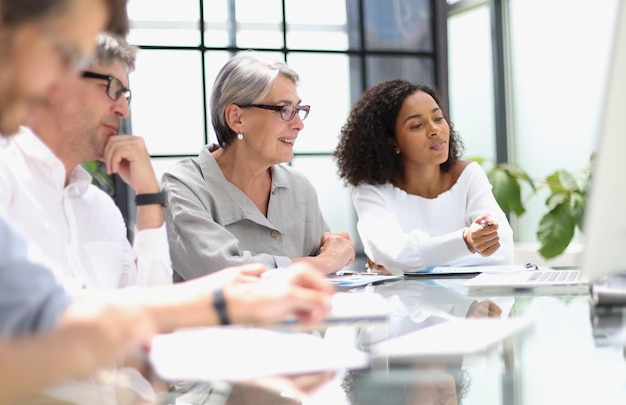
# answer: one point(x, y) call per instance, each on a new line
point(219, 303)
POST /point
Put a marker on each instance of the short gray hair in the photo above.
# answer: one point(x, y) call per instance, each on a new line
point(245, 79)
point(110, 48)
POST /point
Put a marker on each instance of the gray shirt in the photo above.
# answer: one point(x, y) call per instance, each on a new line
point(212, 224)
point(31, 299)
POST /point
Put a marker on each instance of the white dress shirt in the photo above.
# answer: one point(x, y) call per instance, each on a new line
point(405, 232)
point(78, 227)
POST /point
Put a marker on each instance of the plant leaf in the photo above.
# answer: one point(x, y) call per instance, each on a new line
point(506, 190)
point(556, 230)
point(478, 159)
point(555, 199)
point(99, 177)
point(554, 183)
point(519, 174)
point(568, 181)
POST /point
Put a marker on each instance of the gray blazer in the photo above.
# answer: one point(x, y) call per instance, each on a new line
point(212, 224)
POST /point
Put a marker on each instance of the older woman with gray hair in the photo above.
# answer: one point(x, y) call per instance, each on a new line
point(237, 203)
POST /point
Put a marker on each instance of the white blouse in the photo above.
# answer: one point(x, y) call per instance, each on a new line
point(405, 232)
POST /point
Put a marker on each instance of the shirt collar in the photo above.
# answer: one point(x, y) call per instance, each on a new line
point(244, 208)
point(36, 151)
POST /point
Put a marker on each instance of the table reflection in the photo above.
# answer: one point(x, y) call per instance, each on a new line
point(418, 383)
point(572, 353)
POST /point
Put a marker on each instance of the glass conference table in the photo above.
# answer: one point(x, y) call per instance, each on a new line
point(550, 349)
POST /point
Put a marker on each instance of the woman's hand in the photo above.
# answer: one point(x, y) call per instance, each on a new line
point(484, 309)
point(336, 252)
point(482, 236)
point(376, 268)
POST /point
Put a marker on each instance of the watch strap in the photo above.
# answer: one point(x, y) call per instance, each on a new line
point(219, 303)
point(152, 198)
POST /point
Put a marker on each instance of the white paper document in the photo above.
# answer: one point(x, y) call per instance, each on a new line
point(236, 354)
point(452, 338)
point(359, 280)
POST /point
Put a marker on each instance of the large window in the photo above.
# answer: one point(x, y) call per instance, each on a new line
point(526, 82)
point(338, 48)
point(471, 80)
point(559, 73)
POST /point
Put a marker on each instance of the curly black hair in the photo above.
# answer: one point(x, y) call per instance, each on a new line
point(364, 153)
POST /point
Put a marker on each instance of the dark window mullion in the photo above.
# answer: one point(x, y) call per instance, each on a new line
point(499, 96)
point(203, 70)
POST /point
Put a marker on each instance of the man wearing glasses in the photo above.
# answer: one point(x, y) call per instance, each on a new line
point(80, 124)
point(45, 333)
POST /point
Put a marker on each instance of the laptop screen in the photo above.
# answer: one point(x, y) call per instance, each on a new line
point(604, 229)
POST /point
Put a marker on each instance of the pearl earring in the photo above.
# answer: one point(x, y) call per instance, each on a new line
point(240, 136)
point(397, 151)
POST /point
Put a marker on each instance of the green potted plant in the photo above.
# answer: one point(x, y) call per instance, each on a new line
point(99, 176)
point(565, 204)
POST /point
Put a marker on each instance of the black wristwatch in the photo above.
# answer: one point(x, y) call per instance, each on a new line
point(152, 198)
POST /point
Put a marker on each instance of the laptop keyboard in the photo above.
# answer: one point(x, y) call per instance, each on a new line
point(555, 275)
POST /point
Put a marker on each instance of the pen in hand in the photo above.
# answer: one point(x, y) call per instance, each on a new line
point(485, 222)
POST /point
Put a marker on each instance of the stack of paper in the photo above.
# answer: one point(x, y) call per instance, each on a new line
point(235, 354)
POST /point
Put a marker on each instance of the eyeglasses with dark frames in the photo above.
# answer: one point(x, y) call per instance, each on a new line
point(287, 112)
point(115, 88)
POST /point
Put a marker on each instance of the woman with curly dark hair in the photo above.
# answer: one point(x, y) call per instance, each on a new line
point(419, 205)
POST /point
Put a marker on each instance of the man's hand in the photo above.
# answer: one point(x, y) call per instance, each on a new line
point(245, 273)
point(300, 290)
point(128, 156)
point(101, 332)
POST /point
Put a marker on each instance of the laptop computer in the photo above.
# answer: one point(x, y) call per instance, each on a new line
point(605, 213)
point(545, 280)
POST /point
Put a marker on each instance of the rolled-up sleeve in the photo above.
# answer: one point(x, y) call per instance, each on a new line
point(154, 266)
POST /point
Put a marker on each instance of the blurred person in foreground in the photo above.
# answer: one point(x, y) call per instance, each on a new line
point(46, 334)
